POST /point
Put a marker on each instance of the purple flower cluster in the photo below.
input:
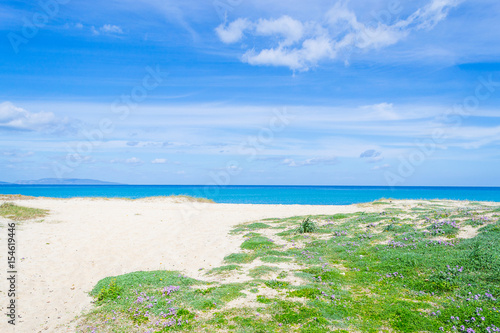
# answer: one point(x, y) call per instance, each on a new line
point(440, 242)
point(479, 221)
point(329, 297)
point(155, 322)
point(392, 276)
point(366, 236)
point(308, 254)
point(440, 227)
point(395, 244)
point(170, 289)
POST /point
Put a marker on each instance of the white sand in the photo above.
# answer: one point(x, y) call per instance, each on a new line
point(85, 240)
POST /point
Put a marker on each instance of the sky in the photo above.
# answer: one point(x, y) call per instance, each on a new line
point(235, 92)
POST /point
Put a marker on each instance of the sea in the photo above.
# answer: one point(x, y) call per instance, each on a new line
point(285, 195)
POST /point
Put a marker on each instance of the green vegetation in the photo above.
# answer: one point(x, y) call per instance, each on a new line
point(255, 226)
point(190, 198)
point(394, 270)
point(257, 242)
point(239, 258)
point(307, 226)
point(263, 270)
point(109, 292)
point(271, 259)
point(19, 213)
point(224, 269)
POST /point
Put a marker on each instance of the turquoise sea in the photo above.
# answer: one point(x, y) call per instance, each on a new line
point(302, 195)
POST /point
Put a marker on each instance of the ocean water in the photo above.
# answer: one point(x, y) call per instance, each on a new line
point(303, 195)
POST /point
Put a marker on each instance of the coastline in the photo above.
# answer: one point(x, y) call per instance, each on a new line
point(83, 240)
point(305, 195)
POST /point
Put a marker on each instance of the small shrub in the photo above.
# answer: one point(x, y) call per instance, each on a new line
point(307, 226)
point(390, 227)
point(109, 292)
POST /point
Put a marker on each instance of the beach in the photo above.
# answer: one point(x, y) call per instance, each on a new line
point(63, 255)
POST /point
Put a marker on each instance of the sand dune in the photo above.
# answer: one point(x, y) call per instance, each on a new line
point(84, 240)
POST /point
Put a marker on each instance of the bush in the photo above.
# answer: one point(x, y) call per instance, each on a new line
point(306, 226)
point(110, 292)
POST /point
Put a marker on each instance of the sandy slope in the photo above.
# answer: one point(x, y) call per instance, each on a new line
point(85, 240)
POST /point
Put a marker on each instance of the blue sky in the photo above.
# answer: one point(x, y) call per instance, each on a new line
point(251, 92)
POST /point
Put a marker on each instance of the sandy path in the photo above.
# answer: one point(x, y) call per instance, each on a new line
point(85, 240)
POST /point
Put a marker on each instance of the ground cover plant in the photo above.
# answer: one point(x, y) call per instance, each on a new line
point(399, 267)
point(20, 213)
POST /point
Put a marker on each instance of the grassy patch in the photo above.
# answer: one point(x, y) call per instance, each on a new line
point(275, 284)
point(190, 198)
point(274, 259)
point(20, 213)
point(224, 269)
point(257, 225)
point(239, 258)
point(261, 271)
point(257, 242)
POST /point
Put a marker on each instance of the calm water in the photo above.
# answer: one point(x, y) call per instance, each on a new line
point(310, 195)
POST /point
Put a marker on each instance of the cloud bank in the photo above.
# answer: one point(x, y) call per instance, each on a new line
point(303, 45)
point(19, 119)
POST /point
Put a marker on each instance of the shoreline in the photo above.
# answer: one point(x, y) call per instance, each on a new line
point(191, 199)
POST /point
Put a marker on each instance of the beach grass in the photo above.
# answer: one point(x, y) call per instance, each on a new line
point(20, 213)
point(430, 269)
point(191, 199)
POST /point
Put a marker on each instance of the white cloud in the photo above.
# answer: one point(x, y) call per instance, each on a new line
point(233, 32)
point(430, 15)
point(311, 161)
point(16, 118)
point(382, 111)
point(18, 153)
point(303, 45)
point(159, 161)
point(106, 29)
point(311, 51)
point(292, 30)
point(274, 57)
point(134, 160)
point(381, 167)
point(111, 29)
point(131, 161)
